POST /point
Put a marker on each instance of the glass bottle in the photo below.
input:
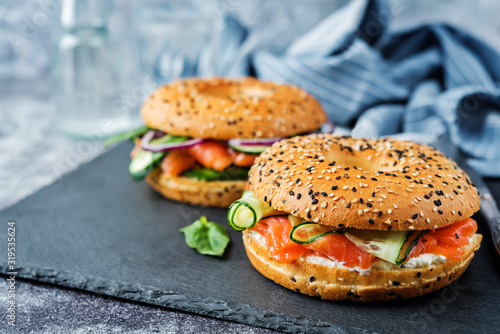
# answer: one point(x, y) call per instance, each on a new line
point(88, 78)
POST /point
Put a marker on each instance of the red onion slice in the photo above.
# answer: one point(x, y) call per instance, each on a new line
point(147, 146)
point(327, 127)
point(253, 142)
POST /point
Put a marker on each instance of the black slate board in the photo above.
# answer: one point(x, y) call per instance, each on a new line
point(97, 230)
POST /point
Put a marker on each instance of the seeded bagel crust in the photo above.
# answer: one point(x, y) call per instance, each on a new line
point(342, 283)
point(379, 184)
point(223, 109)
point(219, 194)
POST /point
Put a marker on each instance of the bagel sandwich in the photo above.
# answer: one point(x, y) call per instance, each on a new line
point(202, 135)
point(357, 219)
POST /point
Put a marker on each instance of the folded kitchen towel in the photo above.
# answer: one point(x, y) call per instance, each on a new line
point(431, 83)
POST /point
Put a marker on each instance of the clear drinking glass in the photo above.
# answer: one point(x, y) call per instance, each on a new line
point(89, 73)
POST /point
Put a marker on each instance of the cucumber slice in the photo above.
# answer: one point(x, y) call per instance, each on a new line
point(307, 232)
point(168, 139)
point(408, 245)
point(145, 161)
point(248, 210)
point(295, 220)
point(385, 245)
point(256, 149)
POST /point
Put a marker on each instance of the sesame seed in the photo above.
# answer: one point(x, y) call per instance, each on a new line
point(428, 220)
point(371, 221)
point(435, 227)
point(348, 205)
point(316, 220)
point(360, 212)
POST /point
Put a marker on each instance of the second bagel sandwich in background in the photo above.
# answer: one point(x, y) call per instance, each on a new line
point(202, 135)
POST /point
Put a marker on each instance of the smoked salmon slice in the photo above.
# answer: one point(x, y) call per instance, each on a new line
point(212, 154)
point(445, 241)
point(242, 159)
point(177, 162)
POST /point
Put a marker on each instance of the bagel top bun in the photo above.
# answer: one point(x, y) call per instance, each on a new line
point(380, 184)
point(223, 109)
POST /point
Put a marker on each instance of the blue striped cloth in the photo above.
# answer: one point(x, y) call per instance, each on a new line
point(431, 83)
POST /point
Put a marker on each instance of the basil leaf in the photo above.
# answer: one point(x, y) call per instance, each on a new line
point(126, 135)
point(208, 238)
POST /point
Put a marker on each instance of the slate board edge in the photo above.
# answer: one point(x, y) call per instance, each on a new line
point(192, 303)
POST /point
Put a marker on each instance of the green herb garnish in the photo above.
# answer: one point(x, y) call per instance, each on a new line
point(126, 135)
point(208, 238)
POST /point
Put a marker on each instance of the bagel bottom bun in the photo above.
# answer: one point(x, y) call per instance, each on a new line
point(219, 194)
point(339, 283)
